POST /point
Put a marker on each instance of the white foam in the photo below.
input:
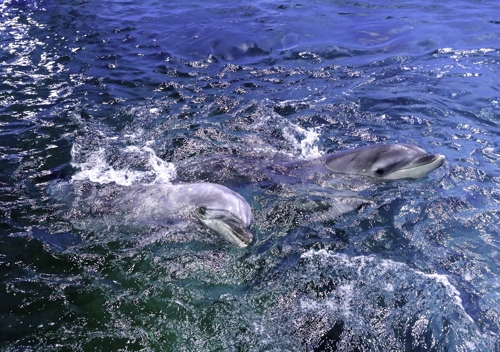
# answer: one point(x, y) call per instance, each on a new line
point(450, 290)
point(165, 171)
point(387, 266)
point(95, 167)
point(362, 280)
point(303, 140)
point(346, 291)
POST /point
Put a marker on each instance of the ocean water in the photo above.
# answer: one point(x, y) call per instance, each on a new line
point(99, 96)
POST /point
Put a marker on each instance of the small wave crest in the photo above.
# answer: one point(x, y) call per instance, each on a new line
point(366, 292)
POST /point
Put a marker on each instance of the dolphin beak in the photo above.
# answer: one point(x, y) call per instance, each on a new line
point(243, 235)
point(440, 159)
point(436, 159)
point(418, 167)
point(232, 231)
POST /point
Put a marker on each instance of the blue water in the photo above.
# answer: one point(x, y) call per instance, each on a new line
point(99, 96)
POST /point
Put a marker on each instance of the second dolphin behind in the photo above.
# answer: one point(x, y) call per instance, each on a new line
point(382, 161)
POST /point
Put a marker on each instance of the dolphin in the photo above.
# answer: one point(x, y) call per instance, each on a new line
point(215, 206)
point(385, 161)
point(382, 161)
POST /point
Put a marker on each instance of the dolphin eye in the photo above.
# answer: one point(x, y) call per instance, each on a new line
point(202, 211)
point(379, 172)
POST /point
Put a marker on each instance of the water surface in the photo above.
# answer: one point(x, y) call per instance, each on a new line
point(99, 96)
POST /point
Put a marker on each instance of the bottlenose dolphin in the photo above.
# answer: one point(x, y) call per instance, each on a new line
point(386, 161)
point(382, 161)
point(215, 206)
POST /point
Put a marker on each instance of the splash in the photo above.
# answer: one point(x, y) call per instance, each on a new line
point(135, 165)
point(303, 140)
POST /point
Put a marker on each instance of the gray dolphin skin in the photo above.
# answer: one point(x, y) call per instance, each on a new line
point(384, 161)
point(215, 206)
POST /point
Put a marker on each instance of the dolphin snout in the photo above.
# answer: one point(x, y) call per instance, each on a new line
point(243, 234)
point(440, 159)
point(437, 159)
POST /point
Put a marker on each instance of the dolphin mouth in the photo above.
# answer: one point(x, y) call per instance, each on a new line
point(243, 234)
point(434, 160)
point(419, 167)
point(226, 224)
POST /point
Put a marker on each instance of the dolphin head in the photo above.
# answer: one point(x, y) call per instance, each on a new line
point(222, 210)
point(386, 162)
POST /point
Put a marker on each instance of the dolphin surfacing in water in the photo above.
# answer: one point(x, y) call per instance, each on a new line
point(384, 161)
point(215, 206)
point(380, 161)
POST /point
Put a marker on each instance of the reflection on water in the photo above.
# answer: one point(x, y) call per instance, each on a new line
point(102, 96)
